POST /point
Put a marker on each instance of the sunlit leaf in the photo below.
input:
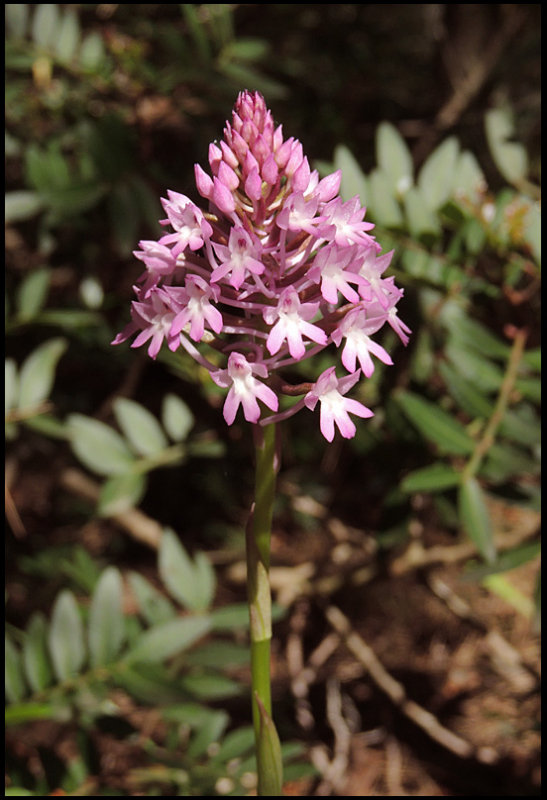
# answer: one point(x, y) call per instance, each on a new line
point(13, 674)
point(66, 637)
point(394, 158)
point(120, 493)
point(169, 638)
point(208, 734)
point(469, 181)
point(141, 429)
point(11, 384)
point(475, 518)
point(106, 629)
point(37, 373)
point(32, 293)
point(154, 606)
point(510, 157)
point(98, 446)
point(211, 686)
point(421, 220)
point(176, 417)
point(91, 53)
point(438, 175)
point(384, 208)
point(45, 24)
point(68, 37)
point(353, 180)
point(22, 204)
point(35, 654)
point(181, 575)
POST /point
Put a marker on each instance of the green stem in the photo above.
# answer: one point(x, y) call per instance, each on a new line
point(259, 598)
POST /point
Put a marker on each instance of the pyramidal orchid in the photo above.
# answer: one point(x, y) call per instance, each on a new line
point(267, 271)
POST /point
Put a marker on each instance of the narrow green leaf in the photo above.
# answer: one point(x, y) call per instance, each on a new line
point(502, 587)
point(510, 157)
point(475, 518)
point(176, 417)
point(19, 713)
point(13, 674)
point(32, 294)
point(473, 334)
point(99, 447)
point(179, 573)
point(35, 655)
point(438, 175)
point(68, 37)
point(505, 562)
point(236, 744)
point(465, 393)
point(434, 478)
point(154, 606)
point(474, 367)
point(141, 429)
point(211, 687)
point(394, 158)
point(246, 49)
point(106, 628)
point(231, 617)
point(66, 637)
point(353, 180)
point(22, 204)
point(169, 638)
point(45, 24)
point(37, 373)
point(532, 231)
point(205, 579)
point(121, 493)
point(435, 424)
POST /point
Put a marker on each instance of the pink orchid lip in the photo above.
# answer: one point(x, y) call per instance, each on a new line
point(273, 268)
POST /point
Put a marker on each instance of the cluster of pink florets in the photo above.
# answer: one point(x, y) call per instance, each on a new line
point(277, 269)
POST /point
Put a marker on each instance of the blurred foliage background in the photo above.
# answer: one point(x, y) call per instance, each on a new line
point(432, 111)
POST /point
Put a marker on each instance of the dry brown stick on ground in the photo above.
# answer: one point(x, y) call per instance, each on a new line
point(397, 694)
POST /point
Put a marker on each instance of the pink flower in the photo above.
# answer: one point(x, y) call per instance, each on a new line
point(274, 265)
point(355, 327)
point(292, 323)
point(244, 388)
point(335, 409)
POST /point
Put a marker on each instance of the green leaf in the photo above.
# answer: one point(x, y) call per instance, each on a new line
point(45, 24)
point(21, 205)
point(141, 429)
point(502, 587)
point(208, 734)
point(434, 478)
point(106, 620)
point(121, 493)
point(231, 617)
point(32, 294)
point(35, 655)
point(169, 638)
point(438, 175)
point(154, 607)
point(353, 180)
point(211, 686)
point(236, 744)
point(92, 53)
point(475, 368)
point(421, 220)
point(13, 674)
point(11, 385)
point(383, 204)
point(469, 182)
point(394, 158)
point(465, 393)
point(473, 334)
point(510, 157)
point(505, 562)
point(435, 424)
point(181, 575)
point(99, 447)
point(475, 518)
point(245, 49)
point(66, 637)
point(532, 231)
point(37, 373)
point(17, 19)
point(20, 713)
point(176, 417)
point(68, 37)
point(220, 651)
